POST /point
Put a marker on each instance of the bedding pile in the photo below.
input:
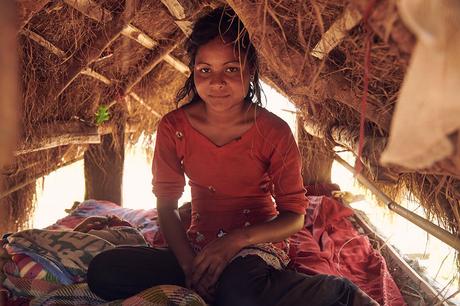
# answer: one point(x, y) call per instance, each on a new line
point(48, 267)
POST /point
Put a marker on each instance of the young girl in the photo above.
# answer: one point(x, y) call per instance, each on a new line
point(238, 157)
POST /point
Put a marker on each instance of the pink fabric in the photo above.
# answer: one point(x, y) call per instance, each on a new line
point(329, 244)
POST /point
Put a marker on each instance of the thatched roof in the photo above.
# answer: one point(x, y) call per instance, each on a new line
point(79, 55)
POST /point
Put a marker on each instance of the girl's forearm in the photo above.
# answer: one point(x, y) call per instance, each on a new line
point(275, 230)
point(174, 233)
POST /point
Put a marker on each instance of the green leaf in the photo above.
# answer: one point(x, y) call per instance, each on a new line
point(102, 114)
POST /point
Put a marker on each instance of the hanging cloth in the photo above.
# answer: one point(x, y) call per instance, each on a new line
point(428, 108)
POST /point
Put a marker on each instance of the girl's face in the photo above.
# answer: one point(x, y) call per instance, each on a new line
point(221, 76)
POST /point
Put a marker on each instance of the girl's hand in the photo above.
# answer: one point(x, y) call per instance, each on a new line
point(212, 260)
point(93, 222)
point(100, 222)
point(186, 263)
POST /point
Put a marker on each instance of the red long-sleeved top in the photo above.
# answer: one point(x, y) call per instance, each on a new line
point(231, 185)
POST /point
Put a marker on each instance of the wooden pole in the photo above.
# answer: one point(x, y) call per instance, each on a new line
point(317, 158)
point(5, 210)
point(9, 80)
point(104, 168)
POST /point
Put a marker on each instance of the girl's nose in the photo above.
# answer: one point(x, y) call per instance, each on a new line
point(218, 80)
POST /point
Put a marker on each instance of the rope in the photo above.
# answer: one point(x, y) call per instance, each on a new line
point(367, 56)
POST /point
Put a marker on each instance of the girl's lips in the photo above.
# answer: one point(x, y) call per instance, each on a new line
point(215, 96)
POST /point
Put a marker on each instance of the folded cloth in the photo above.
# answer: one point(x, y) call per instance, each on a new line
point(146, 221)
point(60, 274)
point(70, 252)
point(28, 268)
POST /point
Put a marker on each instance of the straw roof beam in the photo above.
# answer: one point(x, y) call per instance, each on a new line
point(60, 53)
point(335, 86)
point(61, 140)
point(43, 42)
point(175, 8)
point(178, 10)
point(142, 102)
point(92, 10)
point(337, 32)
point(154, 58)
point(90, 52)
point(373, 147)
point(27, 9)
point(61, 134)
point(88, 71)
point(286, 60)
point(96, 75)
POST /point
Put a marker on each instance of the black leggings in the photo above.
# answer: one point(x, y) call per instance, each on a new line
point(125, 271)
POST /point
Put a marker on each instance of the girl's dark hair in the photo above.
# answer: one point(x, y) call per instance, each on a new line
point(222, 22)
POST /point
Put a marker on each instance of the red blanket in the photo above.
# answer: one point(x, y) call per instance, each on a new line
point(329, 244)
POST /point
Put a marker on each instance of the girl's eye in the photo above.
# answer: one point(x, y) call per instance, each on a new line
point(204, 70)
point(232, 69)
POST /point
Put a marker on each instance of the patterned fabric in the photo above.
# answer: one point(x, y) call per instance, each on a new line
point(4, 258)
point(69, 252)
point(30, 269)
point(121, 235)
point(78, 294)
point(164, 295)
point(62, 275)
point(28, 287)
point(272, 255)
point(45, 260)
